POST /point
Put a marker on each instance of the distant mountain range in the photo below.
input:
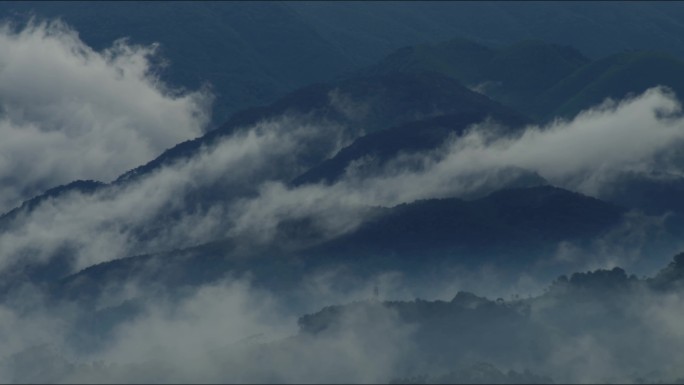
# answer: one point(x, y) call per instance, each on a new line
point(287, 197)
point(516, 228)
point(398, 112)
point(543, 80)
point(465, 339)
point(365, 104)
point(512, 227)
point(254, 53)
point(603, 303)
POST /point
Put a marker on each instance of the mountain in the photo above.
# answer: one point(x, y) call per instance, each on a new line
point(254, 53)
point(615, 76)
point(415, 137)
point(510, 226)
point(251, 54)
point(296, 239)
point(603, 306)
point(654, 193)
point(422, 108)
point(480, 373)
point(511, 75)
point(467, 338)
point(365, 104)
point(671, 277)
point(542, 80)
point(79, 186)
point(414, 231)
point(597, 29)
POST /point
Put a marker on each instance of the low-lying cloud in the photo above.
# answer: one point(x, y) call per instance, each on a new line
point(246, 178)
point(152, 213)
point(69, 112)
point(585, 155)
point(231, 331)
point(238, 186)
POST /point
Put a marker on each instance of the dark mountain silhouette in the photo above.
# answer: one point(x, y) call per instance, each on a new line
point(80, 186)
point(471, 338)
point(597, 29)
point(370, 103)
point(425, 108)
point(542, 80)
point(671, 277)
point(251, 54)
point(514, 75)
point(472, 329)
point(424, 135)
point(480, 373)
point(511, 226)
point(254, 53)
point(616, 77)
point(654, 193)
point(317, 63)
point(383, 101)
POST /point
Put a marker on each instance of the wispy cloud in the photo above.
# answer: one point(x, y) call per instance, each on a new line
point(244, 177)
point(69, 112)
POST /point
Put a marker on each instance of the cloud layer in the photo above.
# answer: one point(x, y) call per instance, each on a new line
point(241, 181)
point(231, 331)
point(68, 112)
point(584, 155)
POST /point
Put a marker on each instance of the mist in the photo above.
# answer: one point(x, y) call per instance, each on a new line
point(97, 115)
point(233, 331)
point(90, 114)
point(250, 196)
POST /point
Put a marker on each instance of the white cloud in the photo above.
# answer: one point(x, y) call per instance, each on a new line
point(584, 155)
point(248, 171)
point(108, 224)
point(225, 331)
point(233, 331)
point(68, 112)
